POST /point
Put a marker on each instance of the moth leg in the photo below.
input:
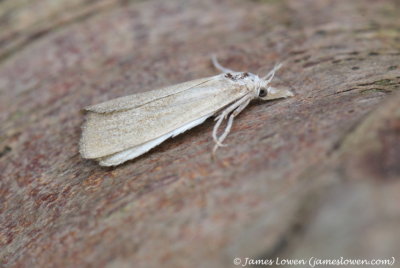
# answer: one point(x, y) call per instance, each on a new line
point(223, 115)
point(215, 130)
point(239, 109)
point(230, 121)
point(218, 66)
point(230, 108)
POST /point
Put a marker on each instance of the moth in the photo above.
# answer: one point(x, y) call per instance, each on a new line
point(121, 129)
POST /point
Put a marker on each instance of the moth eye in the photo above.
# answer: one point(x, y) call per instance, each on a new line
point(262, 93)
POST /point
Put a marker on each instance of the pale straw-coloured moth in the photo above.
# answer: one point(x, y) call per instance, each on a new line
point(121, 129)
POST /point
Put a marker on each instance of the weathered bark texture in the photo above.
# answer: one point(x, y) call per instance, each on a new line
point(314, 175)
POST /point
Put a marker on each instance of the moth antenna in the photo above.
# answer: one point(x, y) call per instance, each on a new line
point(271, 74)
point(218, 66)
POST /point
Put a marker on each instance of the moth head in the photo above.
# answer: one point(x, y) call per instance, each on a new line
point(271, 93)
point(266, 92)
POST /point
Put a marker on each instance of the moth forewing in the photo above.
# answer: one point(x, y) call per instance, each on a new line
point(108, 131)
point(136, 151)
point(139, 99)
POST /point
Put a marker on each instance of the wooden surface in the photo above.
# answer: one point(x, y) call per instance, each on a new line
point(314, 175)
